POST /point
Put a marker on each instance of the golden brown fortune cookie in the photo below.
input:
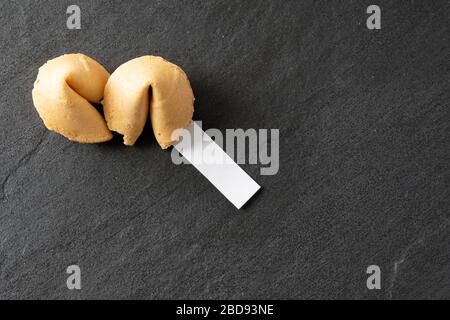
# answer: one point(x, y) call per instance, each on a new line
point(127, 106)
point(63, 92)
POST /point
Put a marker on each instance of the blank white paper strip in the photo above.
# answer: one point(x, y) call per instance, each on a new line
point(209, 158)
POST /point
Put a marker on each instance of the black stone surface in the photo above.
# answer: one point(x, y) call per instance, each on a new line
point(364, 154)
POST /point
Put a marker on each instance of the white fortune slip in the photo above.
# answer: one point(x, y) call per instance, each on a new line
point(217, 166)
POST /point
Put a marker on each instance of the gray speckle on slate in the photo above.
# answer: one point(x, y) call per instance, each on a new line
point(364, 154)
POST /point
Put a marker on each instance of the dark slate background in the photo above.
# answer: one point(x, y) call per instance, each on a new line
point(364, 154)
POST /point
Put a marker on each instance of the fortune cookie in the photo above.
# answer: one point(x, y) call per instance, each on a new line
point(126, 102)
point(62, 93)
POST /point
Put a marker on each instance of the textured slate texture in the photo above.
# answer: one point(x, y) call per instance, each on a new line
point(364, 154)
